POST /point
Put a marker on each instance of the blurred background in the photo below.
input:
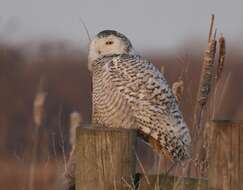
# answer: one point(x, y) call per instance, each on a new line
point(43, 45)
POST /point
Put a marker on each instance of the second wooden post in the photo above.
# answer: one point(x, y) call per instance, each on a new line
point(226, 156)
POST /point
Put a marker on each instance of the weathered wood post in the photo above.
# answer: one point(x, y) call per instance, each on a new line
point(105, 158)
point(226, 156)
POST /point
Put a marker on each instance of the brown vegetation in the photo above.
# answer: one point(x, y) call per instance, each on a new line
point(68, 87)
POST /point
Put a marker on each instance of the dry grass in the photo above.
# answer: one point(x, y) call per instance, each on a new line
point(15, 175)
point(69, 173)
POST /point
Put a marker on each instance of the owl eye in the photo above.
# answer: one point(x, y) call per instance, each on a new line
point(109, 42)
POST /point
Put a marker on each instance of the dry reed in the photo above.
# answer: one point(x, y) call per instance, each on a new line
point(38, 110)
point(209, 81)
point(222, 52)
point(69, 174)
point(178, 89)
point(75, 121)
point(207, 75)
point(206, 78)
point(206, 84)
point(38, 115)
point(219, 70)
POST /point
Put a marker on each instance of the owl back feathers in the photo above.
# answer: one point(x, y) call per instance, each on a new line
point(130, 92)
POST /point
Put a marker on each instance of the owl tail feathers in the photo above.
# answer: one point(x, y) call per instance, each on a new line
point(158, 149)
point(155, 145)
point(177, 154)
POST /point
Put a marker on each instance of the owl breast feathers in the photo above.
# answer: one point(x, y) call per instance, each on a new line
point(130, 92)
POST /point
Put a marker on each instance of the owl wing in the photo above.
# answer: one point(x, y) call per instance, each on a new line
point(153, 105)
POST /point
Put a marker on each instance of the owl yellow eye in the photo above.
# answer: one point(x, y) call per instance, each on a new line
point(109, 42)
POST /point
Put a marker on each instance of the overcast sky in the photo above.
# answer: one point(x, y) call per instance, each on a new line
point(148, 23)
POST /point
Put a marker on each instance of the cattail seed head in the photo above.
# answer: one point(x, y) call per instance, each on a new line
point(177, 89)
point(39, 103)
point(222, 52)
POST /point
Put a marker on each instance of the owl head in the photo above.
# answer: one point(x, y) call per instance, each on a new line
point(109, 42)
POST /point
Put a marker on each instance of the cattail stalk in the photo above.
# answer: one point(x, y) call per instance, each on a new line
point(38, 115)
point(211, 28)
point(207, 75)
point(75, 121)
point(69, 174)
point(219, 71)
point(205, 84)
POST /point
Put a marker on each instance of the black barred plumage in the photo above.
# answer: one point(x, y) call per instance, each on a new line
point(130, 92)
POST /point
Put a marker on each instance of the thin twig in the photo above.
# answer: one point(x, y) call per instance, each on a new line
point(142, 168)
point(85, 28)
point(211, 27)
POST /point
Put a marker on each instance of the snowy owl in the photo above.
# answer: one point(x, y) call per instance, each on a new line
point(130, 92)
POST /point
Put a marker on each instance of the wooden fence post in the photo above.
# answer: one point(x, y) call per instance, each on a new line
point(226, 156)
point(105, 158)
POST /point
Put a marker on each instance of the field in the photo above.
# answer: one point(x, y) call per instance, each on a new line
point(31, 157)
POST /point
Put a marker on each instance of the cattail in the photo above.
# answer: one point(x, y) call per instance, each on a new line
point(207, 75)
point(69, 173)
point(178, 89)
point(38, 115)
point(206, 78)
point(221, 59)
point(75, 120)
point(38, 106)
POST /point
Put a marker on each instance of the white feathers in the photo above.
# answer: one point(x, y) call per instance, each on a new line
point(100, 47)
point(129, 92)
